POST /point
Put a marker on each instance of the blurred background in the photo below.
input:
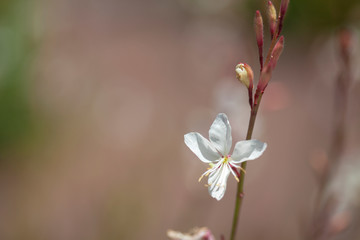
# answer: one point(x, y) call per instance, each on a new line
point(95, 97)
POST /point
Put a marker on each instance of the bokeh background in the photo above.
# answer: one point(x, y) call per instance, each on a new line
point(96, 95)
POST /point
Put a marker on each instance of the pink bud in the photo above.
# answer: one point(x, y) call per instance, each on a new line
point(346, 42)
point(275, 55)
point(265, 76)
point(271, 12)
point(259, 31)
point(283, 8)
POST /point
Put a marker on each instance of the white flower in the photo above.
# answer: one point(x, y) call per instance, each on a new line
point(216, 153)
point(195, 234)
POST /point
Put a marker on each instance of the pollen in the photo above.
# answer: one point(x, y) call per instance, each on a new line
point(207, 174)
point(236, 178)
point(242, 169)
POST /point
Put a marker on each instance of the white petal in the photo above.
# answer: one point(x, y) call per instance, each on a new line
point(217, 181)
point(220, 134)
point(247, 150)
point(201, 147)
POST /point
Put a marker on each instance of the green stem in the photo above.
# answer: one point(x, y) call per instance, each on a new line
point(240, 186)
point(254, 110)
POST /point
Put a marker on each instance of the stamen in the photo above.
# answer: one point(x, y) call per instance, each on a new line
point(205, 174)
point(242, 169)
point(234, 174)
point(237, 179)
point(201, 177)
point(239, 167)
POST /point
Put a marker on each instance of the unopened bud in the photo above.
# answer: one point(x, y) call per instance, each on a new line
point(275, 55)
point(271, 12)
point(259, 27)
point(346, 42)
point(283, 7)
point(265, 77)
point(244, 74)
point(259, 31)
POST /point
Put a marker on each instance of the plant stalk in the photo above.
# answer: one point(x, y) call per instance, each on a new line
point(240, 186)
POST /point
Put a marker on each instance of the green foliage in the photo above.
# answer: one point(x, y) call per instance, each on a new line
point(323, 15)
point(15, 59)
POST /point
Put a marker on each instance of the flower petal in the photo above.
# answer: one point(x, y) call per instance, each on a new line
point(247, 150)
point(217, 181)
point(220, 134)
point(201, 147)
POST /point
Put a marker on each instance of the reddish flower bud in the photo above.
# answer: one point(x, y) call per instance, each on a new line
point(283, 8)
point(259, 31)
point(271, 12)
point(259, 28)
point(346, 42)
point(279, 46)
point(244, 74)
point(265, 77)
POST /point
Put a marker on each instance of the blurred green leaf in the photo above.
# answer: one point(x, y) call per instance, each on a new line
point(15, 61)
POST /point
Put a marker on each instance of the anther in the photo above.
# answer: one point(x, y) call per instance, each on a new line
point(242, 169)
point(200, 177)
point(237, 179)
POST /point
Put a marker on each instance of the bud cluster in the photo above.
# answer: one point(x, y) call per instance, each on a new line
point(244, 72)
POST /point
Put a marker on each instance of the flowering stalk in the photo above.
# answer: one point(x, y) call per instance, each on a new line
point(240, 186)
point(321, 227)
point(266, 69)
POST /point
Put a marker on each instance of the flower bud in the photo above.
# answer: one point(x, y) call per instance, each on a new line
point(259, 28)
point(345, 42)
point(271, 12)
point(283, 8)
point(259, 31)
point(244, 74)
point(275, 55)
point(265, 77)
